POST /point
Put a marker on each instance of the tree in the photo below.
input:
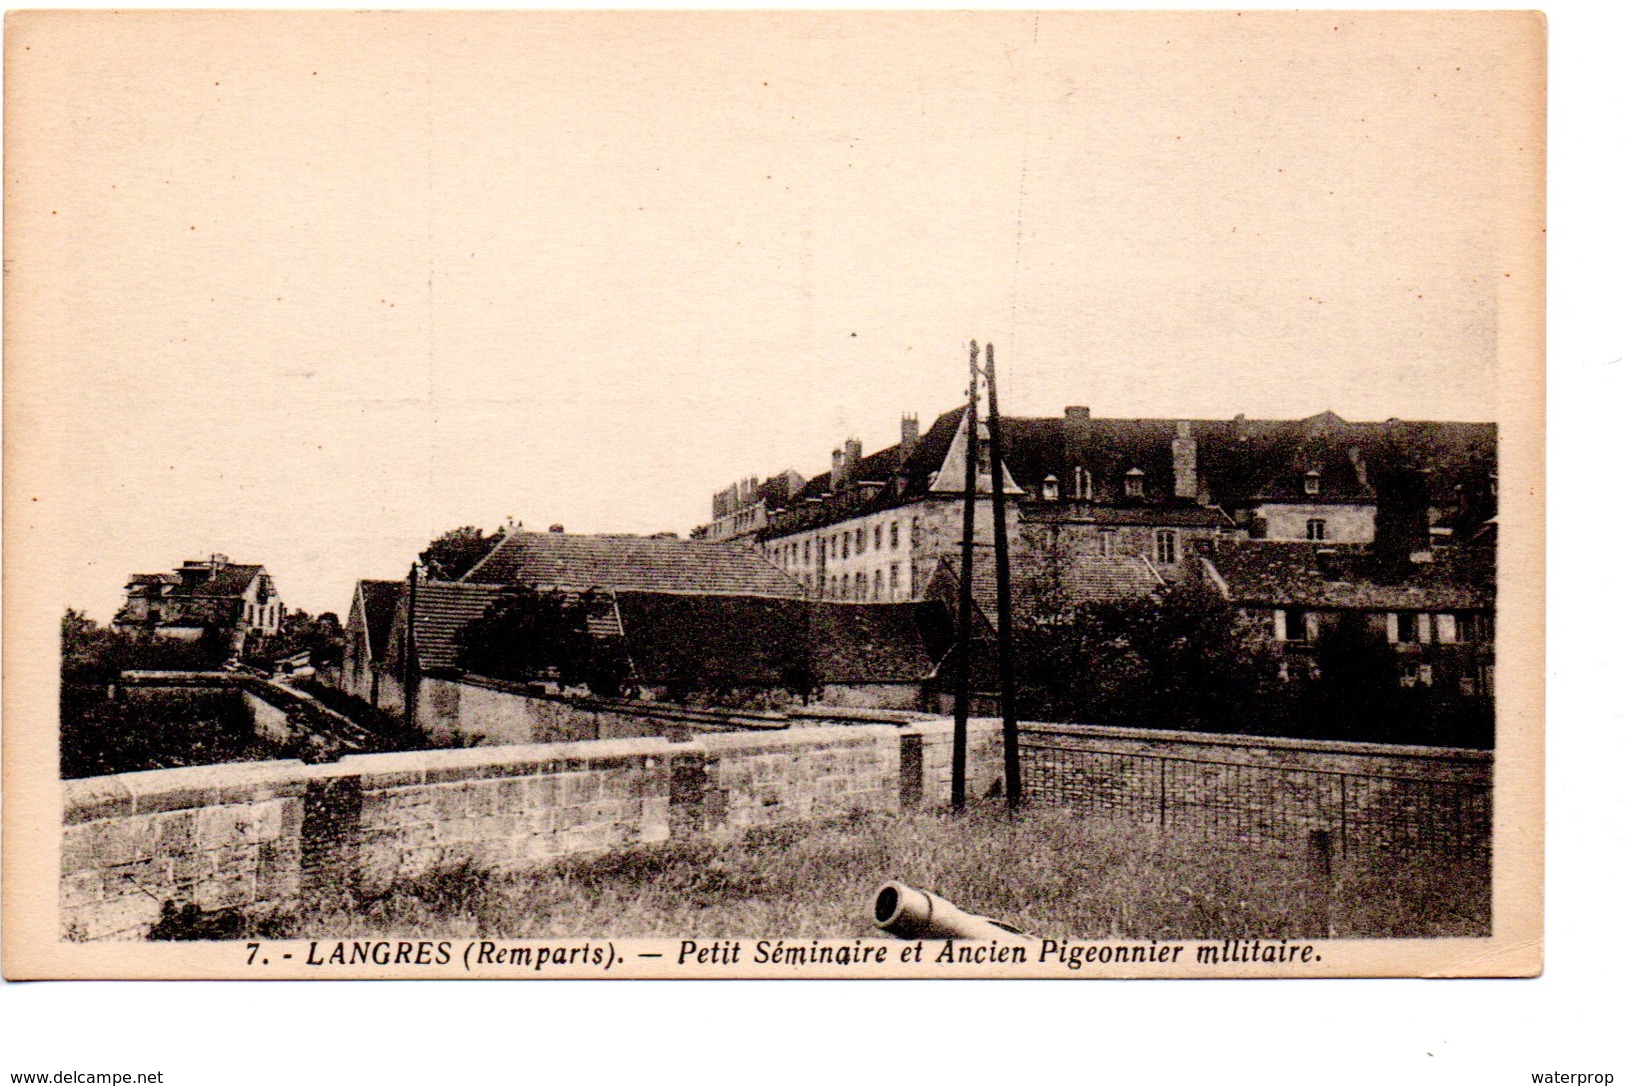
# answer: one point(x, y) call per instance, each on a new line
point(456, 552)
point(525, 635)
point(322, 637)
point(1175, 659)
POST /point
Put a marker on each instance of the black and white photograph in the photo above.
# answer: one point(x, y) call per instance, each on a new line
point(774, 495)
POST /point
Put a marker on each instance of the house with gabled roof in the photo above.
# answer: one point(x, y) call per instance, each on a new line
point(1435, 610)
point(203, 598)
point(366, 637)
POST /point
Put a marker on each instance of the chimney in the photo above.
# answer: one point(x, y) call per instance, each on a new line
point(556, 529)
point(1184, 446)
point(1359, 464)
point(854, 453)
point(1074, 431)
point(837, 470)
point(911, 434)
point(1333, 564)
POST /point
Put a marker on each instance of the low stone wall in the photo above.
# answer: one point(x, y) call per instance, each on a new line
point(267, 836)
point(219, 836)
point(477, 710)
point(270, 836)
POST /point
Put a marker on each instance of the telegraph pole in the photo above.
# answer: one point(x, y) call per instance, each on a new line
point(966, 572)
point(1001, 569)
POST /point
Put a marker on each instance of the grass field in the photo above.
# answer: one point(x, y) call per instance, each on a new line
point(1045, 871)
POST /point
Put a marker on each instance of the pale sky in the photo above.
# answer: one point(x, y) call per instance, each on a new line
point(311, 289)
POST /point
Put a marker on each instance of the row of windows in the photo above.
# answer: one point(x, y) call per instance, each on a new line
point(838, 545)
point(263, 615)
point(1399, 627)
point(884, 585)
point(1164, 545)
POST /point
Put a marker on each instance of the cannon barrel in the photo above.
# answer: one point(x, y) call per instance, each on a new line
point(908, 913)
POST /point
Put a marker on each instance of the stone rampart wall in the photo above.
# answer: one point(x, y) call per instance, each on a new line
point(271, 836)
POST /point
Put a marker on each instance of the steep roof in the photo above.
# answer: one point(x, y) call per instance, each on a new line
point(1041, 583)
point(378, 602)
point(700, 639)
point(631, 563)
point(1277, 573)
point(878, 642)
point(442, 609)
point(761, 641)
point(197, 580)
point(1238, 461)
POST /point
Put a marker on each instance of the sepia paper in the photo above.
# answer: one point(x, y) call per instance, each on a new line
point(310, 289)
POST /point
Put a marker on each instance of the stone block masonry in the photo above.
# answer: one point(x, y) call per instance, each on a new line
point(268, 836)
point(272, 836)
point(219, 836)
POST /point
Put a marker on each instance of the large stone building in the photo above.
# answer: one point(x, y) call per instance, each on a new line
point(213, 597)
point(874, 528)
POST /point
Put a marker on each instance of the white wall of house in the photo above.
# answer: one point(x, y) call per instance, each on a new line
point(873, 551)
point(1340, 523)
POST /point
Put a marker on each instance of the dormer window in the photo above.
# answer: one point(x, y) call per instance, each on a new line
point(1134, 483)
point(1311, 482)
point(1052, 488)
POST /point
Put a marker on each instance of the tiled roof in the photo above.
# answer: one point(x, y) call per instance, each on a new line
point(878, 642)
point(445, 607)
point(1238, 461)
point(1270, 573)
point(195, 581)
point(229, 580)
point(1040, 583)
point(631, 563)
point(1189, 516)
point(378, 602)
point(732, 640)
point(442, 609)
point(759, 641)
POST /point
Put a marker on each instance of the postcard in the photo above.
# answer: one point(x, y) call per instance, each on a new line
point(763, 495)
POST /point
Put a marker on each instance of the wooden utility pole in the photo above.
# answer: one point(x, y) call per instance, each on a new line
point(1001, 573)
point(966, 572)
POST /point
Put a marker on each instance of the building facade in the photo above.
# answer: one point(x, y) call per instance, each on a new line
point(212, 597)
point(873, 528)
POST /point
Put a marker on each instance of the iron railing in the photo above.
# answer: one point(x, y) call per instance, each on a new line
point(1234, 803)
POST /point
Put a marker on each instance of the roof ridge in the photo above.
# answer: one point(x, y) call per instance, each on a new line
point(506, 535)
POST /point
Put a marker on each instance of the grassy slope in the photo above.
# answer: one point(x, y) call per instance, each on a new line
point(1048, 872)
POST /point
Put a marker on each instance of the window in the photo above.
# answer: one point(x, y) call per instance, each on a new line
point(879, 584)
point(846, 585)
point(1416, 674)
point(1134, 483)
point(894, 579)
point(1293, 625)
point(863, 585)
point(806, 551)
point(1444, 628)
point(1167, 546)
point(862, 540)
point(894, 535)
point(846, 544)
point(1052, 488)
point(1406, 629)
point(1108, 542)
point(1315, 529)
point(1311, 482)
point(879, 535)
